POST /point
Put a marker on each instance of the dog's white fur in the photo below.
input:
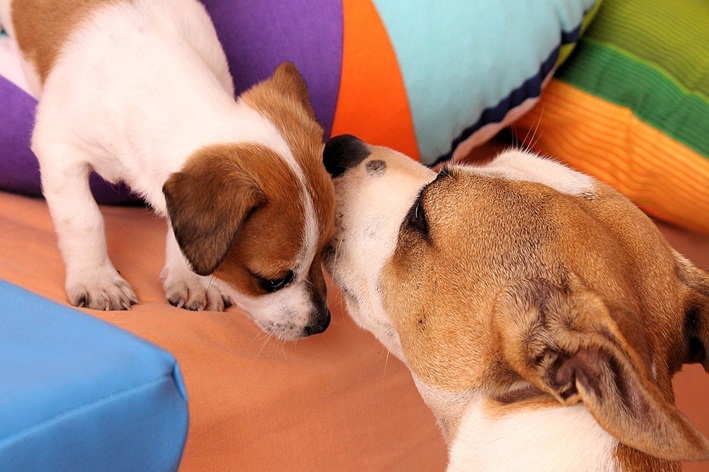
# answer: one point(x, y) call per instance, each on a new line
point(372, 208)
point(137, 90)
point(518, 165)
point(531, 438)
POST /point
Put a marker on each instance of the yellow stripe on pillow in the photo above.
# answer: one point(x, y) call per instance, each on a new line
point(665, 178)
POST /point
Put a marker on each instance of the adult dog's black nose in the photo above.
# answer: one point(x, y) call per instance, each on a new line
point(343, 152)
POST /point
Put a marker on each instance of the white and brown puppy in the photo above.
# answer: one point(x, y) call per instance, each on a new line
point(140, 92)
point(541, 314)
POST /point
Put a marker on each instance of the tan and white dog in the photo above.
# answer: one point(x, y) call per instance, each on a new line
point(541, 314)
point(140, 92)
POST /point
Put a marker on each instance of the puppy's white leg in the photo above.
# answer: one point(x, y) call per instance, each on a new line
point(91, 279)
point(184, 288)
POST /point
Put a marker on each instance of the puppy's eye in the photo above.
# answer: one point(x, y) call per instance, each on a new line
point(274, 285)
point(416, 219)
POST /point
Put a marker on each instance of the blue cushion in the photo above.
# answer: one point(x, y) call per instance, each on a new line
point(79, 394)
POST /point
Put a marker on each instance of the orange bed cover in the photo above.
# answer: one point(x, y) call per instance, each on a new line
point(333, 402)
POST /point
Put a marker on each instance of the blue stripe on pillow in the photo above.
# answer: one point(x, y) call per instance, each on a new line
point(531, 88)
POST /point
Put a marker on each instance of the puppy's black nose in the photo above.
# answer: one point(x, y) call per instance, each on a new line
point(343, 152)
point(319, 324)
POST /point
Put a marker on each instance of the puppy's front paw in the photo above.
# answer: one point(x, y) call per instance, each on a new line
point(196, 293)
point(101, 292)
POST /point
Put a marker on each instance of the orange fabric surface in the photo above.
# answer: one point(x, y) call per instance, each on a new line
point(333, 402)
point(371, 87)
point(662, 176)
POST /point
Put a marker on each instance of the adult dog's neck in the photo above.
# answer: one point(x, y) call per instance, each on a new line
point(543, 438)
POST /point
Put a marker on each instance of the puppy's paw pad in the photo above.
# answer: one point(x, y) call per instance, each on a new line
point(196, 295)
point(114, 294)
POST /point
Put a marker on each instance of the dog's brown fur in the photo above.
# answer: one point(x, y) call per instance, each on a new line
point(42, 27)
point(304, 140)
point(581, 302)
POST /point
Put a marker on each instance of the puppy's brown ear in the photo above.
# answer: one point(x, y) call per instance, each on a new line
point(695, 335)
point(288, 81)
point(207, 202)
point(565, 342)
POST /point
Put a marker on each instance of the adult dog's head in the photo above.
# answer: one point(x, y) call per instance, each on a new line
point(533, 305)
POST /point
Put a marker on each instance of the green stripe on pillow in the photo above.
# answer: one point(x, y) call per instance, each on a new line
point(672, 34)
point(652, 95)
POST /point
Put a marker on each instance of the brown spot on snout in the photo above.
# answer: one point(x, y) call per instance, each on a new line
point(376, 167)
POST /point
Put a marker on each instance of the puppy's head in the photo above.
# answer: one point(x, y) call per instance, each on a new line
point(259, 216)
point(515, 292)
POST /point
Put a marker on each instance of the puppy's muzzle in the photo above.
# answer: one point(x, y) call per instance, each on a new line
point(342, 153)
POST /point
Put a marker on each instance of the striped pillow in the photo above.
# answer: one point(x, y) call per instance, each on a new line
point(631, 107)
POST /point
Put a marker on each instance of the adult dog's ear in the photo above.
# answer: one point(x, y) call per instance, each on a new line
point(207, 202)
point(565, 342)
point(695, 335)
